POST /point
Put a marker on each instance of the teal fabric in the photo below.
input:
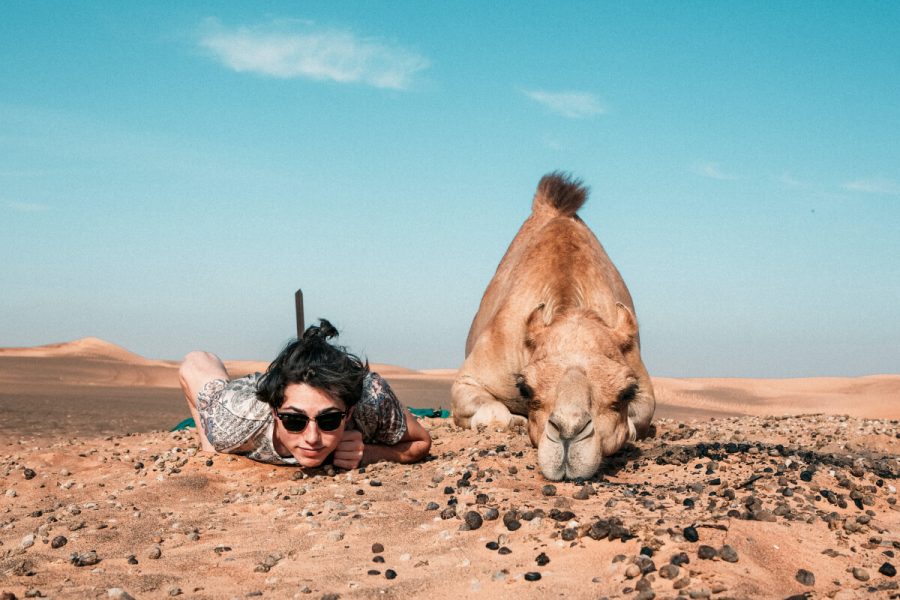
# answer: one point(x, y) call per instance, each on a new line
point(419, 412)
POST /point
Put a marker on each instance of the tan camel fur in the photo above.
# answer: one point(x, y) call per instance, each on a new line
point(555, 343)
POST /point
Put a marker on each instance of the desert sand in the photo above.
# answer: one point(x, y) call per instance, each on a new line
point(747, 489)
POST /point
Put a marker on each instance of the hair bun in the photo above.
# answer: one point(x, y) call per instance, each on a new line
point(323, 331)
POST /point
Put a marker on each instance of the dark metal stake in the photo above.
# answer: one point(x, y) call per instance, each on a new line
point(298, 303)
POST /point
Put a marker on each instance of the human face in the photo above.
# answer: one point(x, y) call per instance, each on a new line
point(312, 445)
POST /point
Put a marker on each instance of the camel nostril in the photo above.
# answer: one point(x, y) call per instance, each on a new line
point(552, 430)
point(566, 428)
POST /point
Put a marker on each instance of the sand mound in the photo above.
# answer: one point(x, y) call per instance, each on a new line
point(88, 347)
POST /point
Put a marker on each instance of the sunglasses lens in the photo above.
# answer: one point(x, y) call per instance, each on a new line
point(292, 422)
point(329, 421)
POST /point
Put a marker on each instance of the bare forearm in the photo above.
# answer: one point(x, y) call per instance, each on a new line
point(402, 452)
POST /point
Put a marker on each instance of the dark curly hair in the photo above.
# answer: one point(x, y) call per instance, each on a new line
point(314, 361)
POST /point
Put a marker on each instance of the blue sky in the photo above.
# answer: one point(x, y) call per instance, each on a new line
point(172, 171)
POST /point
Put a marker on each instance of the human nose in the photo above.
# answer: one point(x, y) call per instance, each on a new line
point(312, 434)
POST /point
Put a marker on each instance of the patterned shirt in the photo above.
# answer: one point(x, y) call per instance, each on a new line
point(237, 422)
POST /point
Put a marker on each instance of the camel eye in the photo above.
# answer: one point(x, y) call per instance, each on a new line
point(625, 397)
point(524, 389)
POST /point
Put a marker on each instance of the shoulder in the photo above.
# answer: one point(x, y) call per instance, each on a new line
point(379, 414)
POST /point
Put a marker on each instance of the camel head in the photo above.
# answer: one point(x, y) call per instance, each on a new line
point(578, 385)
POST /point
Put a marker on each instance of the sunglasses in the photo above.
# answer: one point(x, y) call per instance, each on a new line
point(297, 422)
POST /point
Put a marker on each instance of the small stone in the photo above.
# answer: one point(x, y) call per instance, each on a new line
point(390, 574)
point(492, 545)
point(58, 542)
point(504, 550)
point(335, 536)
point(373, 572)
point(690, 534)
point(632, 571)
point(513, 470)
point(132, 559)
point(375, 483)
point(548, 490)
point(29, 473)
point(887, 569)
point(680, 559)
point(669, 571)
point(473, 520)
point(155, 553)
point(532, 576)
point(118, 594)
point(85, 559)
point(542, 559)
point(448, 513)
point(510, 520)
point(728, 554)
point(706, 552)
point(27, 541)
point(582, 493)
point(377, 559)
point(491, 514)
point(175, 591)
point(432, 506)
point(805, 577)
point(377, 548)
point(860, 574)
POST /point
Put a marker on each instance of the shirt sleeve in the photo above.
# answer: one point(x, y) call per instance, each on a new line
point(378, 414)
point(231, 414)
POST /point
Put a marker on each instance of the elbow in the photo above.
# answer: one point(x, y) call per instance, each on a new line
point(420, 448)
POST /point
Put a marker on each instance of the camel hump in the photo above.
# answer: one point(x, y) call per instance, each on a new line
point(561, 192)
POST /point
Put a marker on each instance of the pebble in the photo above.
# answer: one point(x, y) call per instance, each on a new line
point(728, 554)
point(492, 545)
point(542, 559)
point(432, 506)
point(491, 514)
point(680, 559)
point(690, 534)
point(118, 594)
point(548, 490)
point(58, 542)
point(85, 559)
point(632, 571)
point(504, 550)
point(511, 522)
point(669, 571)
point(375, 483)
point(390, 574)
point(532, 576)
point(377, 559)
point(706, 552)
point(29, 473)
point(887, 569)
point(155, 552)
point(805, 577)
point(473, 520)
point(860, 574)
point(27, 541)
point(335, 536)
point(582, 493)
point(377, 548)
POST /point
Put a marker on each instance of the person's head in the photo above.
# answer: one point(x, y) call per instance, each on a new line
point(312, 387)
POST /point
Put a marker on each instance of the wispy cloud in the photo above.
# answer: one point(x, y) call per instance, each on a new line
point(26, 207)
point(712, 170)
point(876, 185)
point(788, 180)
point(290, 49)
point(573, 105)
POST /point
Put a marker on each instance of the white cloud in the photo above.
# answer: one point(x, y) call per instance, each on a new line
point(788, 180)
point(876, 185)
point(712, 170)
point(573, 105)
point(298, 49)
point(27, 207)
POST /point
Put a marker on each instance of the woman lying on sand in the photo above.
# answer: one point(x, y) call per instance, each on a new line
point(315, 401)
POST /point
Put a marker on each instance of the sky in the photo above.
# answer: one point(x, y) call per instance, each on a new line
point(171, 172)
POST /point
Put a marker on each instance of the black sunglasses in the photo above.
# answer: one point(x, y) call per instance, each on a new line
point(297, 422)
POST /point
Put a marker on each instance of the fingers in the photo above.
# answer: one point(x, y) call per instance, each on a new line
point(349, 452)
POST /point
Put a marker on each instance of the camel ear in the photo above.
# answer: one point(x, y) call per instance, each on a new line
point(626, 327)
point(537, 320)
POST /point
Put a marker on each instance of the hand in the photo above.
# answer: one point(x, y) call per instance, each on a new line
point(349, 451)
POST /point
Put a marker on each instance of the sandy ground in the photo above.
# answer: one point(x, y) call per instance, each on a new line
point(748, 489)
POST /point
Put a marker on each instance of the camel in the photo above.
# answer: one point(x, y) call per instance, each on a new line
point(554, 345)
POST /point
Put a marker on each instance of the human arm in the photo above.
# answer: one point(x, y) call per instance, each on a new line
point(412, 447)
